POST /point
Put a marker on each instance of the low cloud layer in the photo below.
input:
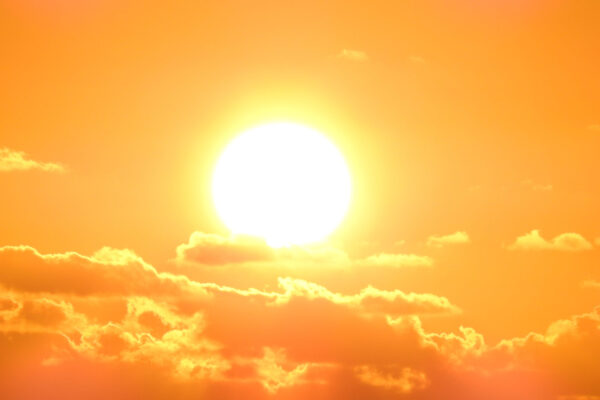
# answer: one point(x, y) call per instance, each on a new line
point(113, 313)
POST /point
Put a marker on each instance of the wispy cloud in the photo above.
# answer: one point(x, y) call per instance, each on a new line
point(353, 55)
point(396, 260)
point(591, 284)
point(541, 187)
point(12, 160)
point(459, 237)
point(405, 381)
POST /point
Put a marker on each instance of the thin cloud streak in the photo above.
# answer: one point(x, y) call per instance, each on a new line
point(12, 160)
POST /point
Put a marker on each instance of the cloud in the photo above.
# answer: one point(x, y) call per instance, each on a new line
point(149, 332)
point(567, 348)
point(562, 242)
point(456, 347)
point(177, 344)
point(396, 260)
point(353, 55)
point(459, 237)
point(211, 249)
point(107, 272)
point(168, 331)
point(370, 299)
point(37, 314)
point(12, 160)
point(275, 371)
point(171, 334)
point(111, 272)
point(405, 381)
point(216, 250)
point(591, 284)
point(177, 348)
point(537, 186)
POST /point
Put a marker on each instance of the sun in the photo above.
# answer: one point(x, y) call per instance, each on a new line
point(283, 182)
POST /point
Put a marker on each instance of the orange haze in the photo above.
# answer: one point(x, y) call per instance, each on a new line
point(468, 266)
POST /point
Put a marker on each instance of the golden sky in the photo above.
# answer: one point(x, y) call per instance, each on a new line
point(467, 267)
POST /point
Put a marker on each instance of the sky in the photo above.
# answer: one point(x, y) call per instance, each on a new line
point(467, 266)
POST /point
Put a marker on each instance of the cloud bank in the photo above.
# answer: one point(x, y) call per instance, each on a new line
point(85, 319)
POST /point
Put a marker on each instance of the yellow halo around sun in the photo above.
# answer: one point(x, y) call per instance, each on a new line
point(283, 182)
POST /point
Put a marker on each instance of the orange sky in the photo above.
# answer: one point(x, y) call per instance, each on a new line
point(472, 132)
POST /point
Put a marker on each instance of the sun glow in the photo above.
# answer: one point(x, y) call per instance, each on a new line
point(283, 182)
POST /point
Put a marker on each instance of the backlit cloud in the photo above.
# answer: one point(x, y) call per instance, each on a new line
point(459, 237)
point(297, 343)
point(12, 160)
point(405, 381)
point(107, 272)
point(563, 242)
point(211, 249)
point(300, 339)
point(162, 328)
point(368, 300)
point(275, 371)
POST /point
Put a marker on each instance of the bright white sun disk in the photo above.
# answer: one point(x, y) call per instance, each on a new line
point(283, 182)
